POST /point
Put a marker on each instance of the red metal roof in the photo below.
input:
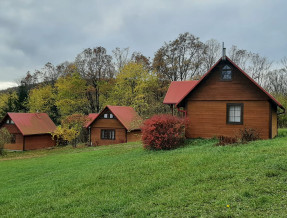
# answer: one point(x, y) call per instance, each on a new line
point(90, 119)
point(252, 80)
point(32, 123)
point(177, 90)
point(127, 116)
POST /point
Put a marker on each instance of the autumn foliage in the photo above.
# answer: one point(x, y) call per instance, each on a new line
point(163, 132)
point(70, 128)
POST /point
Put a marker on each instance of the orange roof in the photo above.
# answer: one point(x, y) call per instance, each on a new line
point(177, 90)
point(32, 123)
point(90, 119)
point(127, 116)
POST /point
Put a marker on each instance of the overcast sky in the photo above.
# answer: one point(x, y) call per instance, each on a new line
point(34, 32)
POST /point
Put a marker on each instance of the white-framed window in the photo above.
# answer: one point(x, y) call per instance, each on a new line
point(108, 115)
point(234, 113)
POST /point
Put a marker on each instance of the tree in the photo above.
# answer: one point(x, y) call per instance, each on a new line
point(239, 56)
point(8, 103)
point(42, 99)
point(94, 65)
point(5, 137)
point(71, 94)
point(121, 57)
point(258, 68)
point(137, 87)
point(276, 82)
point(284, 63)
point(180, 59)
point(255, 65)
point(70, 128)
point(213, 52)
point(139, 58)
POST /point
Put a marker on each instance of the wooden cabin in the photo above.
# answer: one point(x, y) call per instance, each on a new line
point(114, 125)
point(29, 131)
point(223, 101)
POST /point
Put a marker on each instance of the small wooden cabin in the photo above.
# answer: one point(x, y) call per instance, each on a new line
point(114, 125)
point(223, 101)
point(29, 131)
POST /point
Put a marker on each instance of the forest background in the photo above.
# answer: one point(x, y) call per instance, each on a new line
point(95, 79)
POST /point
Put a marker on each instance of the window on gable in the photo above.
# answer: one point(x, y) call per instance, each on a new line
point(9, 121)
point(108, 134)
point(226, 73)
point(108, 116)
point(234, 114)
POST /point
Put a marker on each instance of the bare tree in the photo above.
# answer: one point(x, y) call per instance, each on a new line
point(258, 68)
point(180, 59)
point(213, 53)
point(121, 57)
point(276, 82)
point(95, 65)
point(139, 58)
point(239, 56)
point(284, 64)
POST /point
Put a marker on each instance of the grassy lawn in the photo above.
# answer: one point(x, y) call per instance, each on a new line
point(199, 179)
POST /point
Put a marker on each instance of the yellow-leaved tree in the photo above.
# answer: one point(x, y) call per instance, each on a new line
point(42, 99)
point(70, 129)
point(7, 103)
point(71, 95)
point(136, 86)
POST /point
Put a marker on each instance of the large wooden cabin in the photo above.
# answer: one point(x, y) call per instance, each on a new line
point(223, 101)
point(114, 125)
point(29, 131)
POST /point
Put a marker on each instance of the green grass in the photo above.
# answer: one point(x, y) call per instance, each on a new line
point(199, 179)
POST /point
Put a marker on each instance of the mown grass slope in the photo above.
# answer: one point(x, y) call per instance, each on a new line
point(199, 179)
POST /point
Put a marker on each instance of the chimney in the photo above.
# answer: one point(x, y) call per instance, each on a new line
point(223, 52)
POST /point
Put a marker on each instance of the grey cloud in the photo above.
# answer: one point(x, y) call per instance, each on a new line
point(34, 32)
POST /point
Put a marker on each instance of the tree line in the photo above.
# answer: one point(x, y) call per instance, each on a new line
point(95, 78)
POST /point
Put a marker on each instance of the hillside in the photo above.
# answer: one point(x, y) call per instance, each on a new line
point(125, 180)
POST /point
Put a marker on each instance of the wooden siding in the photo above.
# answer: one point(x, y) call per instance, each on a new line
point(12, 128)
point(120, 136)
point(208, 118)
point(107, 123)
point(18, 145)
point(274, 123)
point(34, 142)
point(134, 136)
point(239, 88)
point(101, 123)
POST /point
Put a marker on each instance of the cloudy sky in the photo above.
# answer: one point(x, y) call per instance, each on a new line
point(34, 32)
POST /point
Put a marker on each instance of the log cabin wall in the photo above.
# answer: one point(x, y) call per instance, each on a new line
point(206, 106)
point(134, 136)
point(33, 142)
point(18, 145)
point(104, 124)
point(207, 119)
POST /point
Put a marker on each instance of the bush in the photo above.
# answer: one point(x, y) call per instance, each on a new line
point(248, 134)
point(225, 140)
point(5, 137)
point(163, 132)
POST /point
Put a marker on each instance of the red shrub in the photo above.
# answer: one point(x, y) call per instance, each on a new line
point(163, 132)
